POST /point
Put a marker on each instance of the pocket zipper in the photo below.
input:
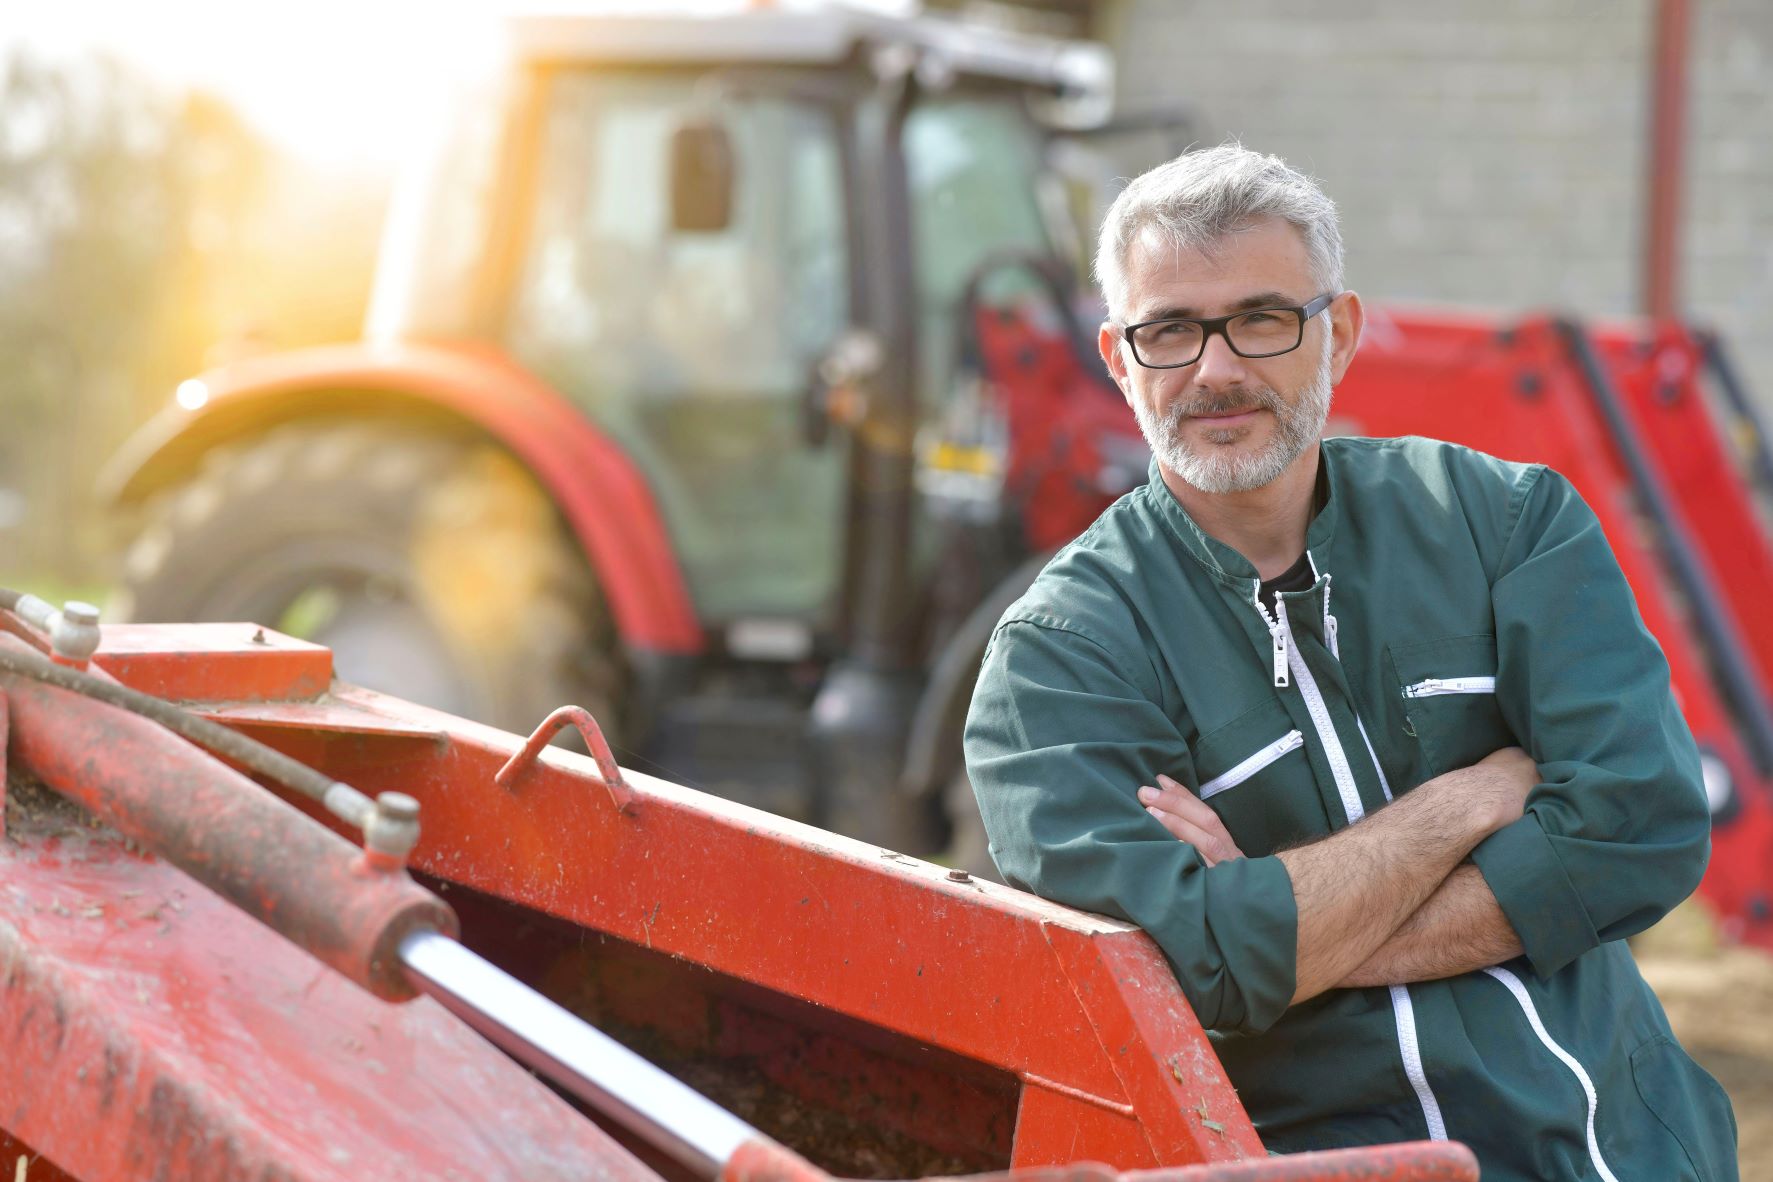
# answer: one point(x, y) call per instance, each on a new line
point(1433, 687)
point(1291, 741)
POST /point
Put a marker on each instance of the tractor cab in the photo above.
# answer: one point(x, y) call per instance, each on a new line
point(739, 245)
point(724, 375)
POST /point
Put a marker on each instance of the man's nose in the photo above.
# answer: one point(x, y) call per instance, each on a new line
point(1218, 367)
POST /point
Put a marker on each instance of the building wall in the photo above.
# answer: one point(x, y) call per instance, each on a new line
point(1489, 152)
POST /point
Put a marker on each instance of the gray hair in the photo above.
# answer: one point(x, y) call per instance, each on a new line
point(1199, 198)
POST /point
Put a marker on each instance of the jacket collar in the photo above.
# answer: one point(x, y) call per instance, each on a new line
point(1220, 560)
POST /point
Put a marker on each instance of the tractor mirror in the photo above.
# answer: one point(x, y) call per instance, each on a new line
point(701, 177)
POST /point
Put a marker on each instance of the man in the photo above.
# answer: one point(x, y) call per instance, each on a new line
point(1391, 844)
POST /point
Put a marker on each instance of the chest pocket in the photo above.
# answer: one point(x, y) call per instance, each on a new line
point(1447, 692)
point(1255, 774)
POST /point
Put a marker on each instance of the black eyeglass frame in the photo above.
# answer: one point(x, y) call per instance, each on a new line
point(1216, 327)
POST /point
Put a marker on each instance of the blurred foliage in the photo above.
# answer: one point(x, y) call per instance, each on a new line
point(143, 235)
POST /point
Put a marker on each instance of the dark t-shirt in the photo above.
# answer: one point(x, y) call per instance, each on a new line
point(1299, 576)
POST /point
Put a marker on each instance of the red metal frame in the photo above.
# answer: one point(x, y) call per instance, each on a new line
point(1082, 1010)
point(150, 1026)
point(603, 496)
point(1659, 373)
point(154, 1029)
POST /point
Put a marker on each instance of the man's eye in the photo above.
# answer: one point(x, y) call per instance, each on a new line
point(1173, 329)
point(1260, 318)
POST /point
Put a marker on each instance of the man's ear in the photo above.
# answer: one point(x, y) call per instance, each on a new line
point(1108, 344)
point(1347, 319)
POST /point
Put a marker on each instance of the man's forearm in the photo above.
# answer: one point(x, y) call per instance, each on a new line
point(1458, 929)
point(1354, 889)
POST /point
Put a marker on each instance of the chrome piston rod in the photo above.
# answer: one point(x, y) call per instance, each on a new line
point(590, 1064)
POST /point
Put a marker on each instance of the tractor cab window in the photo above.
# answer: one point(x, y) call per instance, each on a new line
point(693, 348)
point(974, 163)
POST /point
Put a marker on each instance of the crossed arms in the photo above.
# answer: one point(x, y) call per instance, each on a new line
point(1596, 843)
point(1390, 900)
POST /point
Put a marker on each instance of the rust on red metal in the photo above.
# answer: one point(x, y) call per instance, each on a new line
point(1024, 986)
point(830, 968)
point(336, 712)
point(268, 858)
point(579, 717)
point(5, 726)
point(214, 662)
point(152, 1030)
point(1416, 1161)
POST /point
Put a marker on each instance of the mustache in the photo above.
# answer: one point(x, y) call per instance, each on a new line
point(1235, 400)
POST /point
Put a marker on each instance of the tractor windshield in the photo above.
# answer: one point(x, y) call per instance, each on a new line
point(693, 349)
point(975, 167)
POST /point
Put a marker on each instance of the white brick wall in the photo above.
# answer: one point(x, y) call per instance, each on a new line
point(1489, 152)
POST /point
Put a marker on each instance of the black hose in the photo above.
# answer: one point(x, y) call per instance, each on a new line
point(211, 736)
point(1718, 633)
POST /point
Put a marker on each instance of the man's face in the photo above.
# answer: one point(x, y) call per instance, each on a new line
point(1226, 423)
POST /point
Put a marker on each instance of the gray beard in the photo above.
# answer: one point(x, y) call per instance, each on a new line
point(1217, 467)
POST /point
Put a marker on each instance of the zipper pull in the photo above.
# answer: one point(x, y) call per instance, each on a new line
point(1278, 634)
point(1424, 688)
point(1330, 631)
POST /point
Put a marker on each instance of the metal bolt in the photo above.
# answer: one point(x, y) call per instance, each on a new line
point(74, 631)
point(958, 875)
point(392, 828)
point(397, 806)
point(258, 637)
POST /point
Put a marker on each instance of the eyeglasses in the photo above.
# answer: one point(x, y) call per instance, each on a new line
point(1260, 332)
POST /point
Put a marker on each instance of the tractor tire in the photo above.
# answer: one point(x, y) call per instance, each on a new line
point(432, 563)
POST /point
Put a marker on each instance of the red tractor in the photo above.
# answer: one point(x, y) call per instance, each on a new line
point(728, 378)
point(671, 404)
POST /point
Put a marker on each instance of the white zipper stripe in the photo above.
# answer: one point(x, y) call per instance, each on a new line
point(1276, 636)
point(1513, 983)
point(1405, 1013)
point(1402, 1010)
point(1320, 722)
point(1434, 687)
point(1291, 741)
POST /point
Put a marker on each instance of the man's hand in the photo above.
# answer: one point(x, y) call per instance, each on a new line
point(1515, 775)
point(1460, 927)
point(1189, 819)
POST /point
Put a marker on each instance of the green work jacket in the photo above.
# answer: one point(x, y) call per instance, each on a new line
point(1462, 605)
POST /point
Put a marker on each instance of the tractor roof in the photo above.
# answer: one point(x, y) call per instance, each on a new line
point(1082, 72)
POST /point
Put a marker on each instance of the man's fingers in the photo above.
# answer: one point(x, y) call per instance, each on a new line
point(1174, 798)
point(1212, 850)
point(1187, 819)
